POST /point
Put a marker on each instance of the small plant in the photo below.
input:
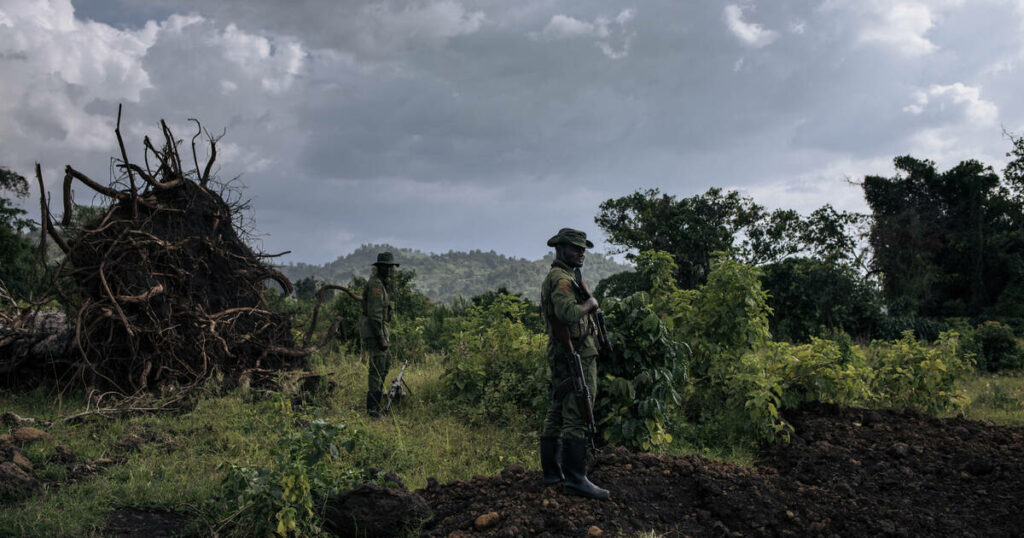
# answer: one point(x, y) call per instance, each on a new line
point(282, 498)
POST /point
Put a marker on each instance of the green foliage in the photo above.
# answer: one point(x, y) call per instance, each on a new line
point(16, 250)
point(945, 243)
point(496, 371)
point(909, 373)
point(996, 347)
point(282, 498)
point(1014, 171)
point(903, 373)
point(306, 288)
point(690, 229)
point(638, 386)
point(728, 318)
point(826, 234)
point(444, 277)
point(723, 324)
point(807, 295)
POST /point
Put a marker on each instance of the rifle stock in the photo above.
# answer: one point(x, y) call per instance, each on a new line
point(395, 391)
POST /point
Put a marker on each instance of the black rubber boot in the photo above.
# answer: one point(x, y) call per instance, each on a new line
point(550, 460)
point(373, 403)
point(574, 463)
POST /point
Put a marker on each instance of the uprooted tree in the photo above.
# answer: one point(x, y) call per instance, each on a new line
point(161, 289)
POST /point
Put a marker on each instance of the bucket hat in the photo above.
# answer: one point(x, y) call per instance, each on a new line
point(569, 236)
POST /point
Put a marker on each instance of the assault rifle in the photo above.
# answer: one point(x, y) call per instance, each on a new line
point(603, 343)
point(396, 392)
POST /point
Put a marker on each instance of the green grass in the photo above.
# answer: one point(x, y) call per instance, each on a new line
point(997, 398)
point(175, 464)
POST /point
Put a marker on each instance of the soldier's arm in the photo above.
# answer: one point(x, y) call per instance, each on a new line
point(563, 301)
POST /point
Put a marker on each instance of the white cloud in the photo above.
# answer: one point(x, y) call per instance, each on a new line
point(625, 16)
point(752, 34)
point(616, 54)
point(278, 62)
point(976, 110)
point(564, 27)
point(833, 183)
point(798, 27)
point(54, 65)
point(603, 29)
point(902, 27)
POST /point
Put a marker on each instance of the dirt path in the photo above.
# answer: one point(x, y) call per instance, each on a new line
point(848, 472)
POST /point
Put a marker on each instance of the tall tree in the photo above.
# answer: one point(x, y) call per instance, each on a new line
point(15, 248)
point(945, 244)
point(689, 229)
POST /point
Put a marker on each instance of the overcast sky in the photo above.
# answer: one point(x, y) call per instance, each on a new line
point(464, 124)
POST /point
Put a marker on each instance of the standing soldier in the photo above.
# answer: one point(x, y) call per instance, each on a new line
point(566, 307)
point(375, 329)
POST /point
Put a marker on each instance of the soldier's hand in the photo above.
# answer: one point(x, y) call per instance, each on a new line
point(589, 305)
point(382, 342)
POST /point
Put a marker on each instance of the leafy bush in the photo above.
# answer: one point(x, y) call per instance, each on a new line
point(638, 389)
point(496, 370)
point(722, 323)
point(997, 347)
point(909, 373)
point(281, 499)
point(893, 327)
point(807, 294)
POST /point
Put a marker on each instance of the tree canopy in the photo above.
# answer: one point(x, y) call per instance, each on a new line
point(946, 243)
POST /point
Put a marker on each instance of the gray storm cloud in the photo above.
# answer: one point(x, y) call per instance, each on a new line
point(482, 124)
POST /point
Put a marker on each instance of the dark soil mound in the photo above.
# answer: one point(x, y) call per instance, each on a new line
point(848, 472)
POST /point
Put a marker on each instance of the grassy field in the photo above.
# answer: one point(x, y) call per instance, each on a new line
point(173, 461)
point(995, 398)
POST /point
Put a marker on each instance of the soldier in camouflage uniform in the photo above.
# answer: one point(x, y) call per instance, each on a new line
point(563, 442)
point(375, 329)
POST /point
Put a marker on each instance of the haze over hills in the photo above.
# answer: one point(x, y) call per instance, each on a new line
point(443, 277)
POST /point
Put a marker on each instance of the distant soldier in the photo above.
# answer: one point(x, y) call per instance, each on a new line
point(563, 441)
point(375, 329)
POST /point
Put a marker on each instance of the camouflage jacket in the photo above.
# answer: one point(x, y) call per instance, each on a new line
point(378, 309)
point(560, 298)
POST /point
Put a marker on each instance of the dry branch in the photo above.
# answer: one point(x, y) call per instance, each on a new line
point(162, 288)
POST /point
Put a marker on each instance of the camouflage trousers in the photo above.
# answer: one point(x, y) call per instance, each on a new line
point(564, 418)
point(379, 364)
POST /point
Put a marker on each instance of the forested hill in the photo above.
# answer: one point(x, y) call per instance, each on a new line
point(442, 277)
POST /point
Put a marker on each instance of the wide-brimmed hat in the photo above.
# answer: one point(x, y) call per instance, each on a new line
point(385, 258)
point(569, 236)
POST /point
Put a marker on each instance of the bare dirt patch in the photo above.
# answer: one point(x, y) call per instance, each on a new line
point(847, 472)
point(146, 523)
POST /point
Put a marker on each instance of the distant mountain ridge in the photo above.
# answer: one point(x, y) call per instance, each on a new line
point(443, 277)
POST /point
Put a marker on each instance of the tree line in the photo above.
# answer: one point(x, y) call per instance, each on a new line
point(939, 248)
point(445, 276)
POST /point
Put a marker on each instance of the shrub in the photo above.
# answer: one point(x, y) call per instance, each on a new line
point(997, 347)
point(638, 389)
point(496, 370)
point(283, 498)
point(908, 373)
